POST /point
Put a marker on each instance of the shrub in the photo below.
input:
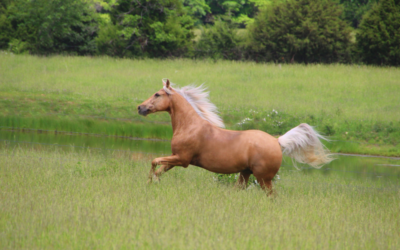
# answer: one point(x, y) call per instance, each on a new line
point(378, 38)
point(58, 26)
point(17, 46)
point(110, 42)
point(219, 41)
point(301, 30)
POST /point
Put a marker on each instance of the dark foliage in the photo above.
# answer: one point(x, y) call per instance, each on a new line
point(305, 31)
point(5, 24)
point(354, 10)
point(154, 28)
point(378, 38)
point(47, 27)
point(219, 41)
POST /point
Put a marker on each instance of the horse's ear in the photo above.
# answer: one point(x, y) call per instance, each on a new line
point(166, 83)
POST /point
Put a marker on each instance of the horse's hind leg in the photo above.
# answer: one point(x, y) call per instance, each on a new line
point(265, 184)
point(243, 179)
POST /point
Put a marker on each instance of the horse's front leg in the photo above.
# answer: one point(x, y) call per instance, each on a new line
point(167, 163)
point(162, 170)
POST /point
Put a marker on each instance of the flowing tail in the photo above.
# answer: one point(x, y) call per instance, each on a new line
point(303, 144)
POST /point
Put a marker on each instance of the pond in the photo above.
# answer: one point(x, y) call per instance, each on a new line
point(82, 142)
point(352, 166)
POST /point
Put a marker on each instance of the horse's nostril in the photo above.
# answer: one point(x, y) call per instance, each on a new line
point(138, 107)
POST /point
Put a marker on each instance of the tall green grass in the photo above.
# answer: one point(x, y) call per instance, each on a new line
point(345, 91)
point(79, 200)
point(346, 102)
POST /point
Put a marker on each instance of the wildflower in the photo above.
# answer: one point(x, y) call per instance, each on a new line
point(253, 111)
point(244, 121)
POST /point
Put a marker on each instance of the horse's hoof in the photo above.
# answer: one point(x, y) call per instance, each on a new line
point(149, 181)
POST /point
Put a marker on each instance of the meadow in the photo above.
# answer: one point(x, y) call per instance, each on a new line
point(357, 106)
point(68, 199)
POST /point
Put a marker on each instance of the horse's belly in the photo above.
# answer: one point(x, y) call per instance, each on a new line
point(221, 162)
point(221, 168)
point(253, 149)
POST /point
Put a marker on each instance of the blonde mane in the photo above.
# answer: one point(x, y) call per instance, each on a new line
point(198, 98)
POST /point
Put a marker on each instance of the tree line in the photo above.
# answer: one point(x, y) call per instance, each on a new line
point(284, 31)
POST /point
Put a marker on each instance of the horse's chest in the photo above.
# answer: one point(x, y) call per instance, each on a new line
point(183, 147)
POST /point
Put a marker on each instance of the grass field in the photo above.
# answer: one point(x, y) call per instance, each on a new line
point(350, 103)
point(52, 199)
point(61, 198)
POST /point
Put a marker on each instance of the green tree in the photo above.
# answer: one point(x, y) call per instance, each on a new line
point(238, 11)
point(155, 28)
point(219, 41)
point(55, 26)
point(354, 10)
point(378, 38)
point(197, 8)
point(5, 24)
point(301, 30)
point(241, 12)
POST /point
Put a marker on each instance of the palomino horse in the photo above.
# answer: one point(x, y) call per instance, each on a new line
point(198, 139)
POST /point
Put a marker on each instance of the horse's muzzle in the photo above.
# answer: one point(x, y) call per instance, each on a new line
point(142, 110)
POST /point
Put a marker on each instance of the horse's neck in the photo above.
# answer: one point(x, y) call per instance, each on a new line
point(182, 114)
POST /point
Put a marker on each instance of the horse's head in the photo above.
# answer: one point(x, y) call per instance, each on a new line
point(160, 101)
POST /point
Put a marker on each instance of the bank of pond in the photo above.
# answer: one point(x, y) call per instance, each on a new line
point(375, 168)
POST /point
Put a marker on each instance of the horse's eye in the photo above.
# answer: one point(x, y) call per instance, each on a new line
point(157, 95)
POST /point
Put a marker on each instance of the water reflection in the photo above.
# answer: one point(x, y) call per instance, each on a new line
point(84, 142)
point(373, 168)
